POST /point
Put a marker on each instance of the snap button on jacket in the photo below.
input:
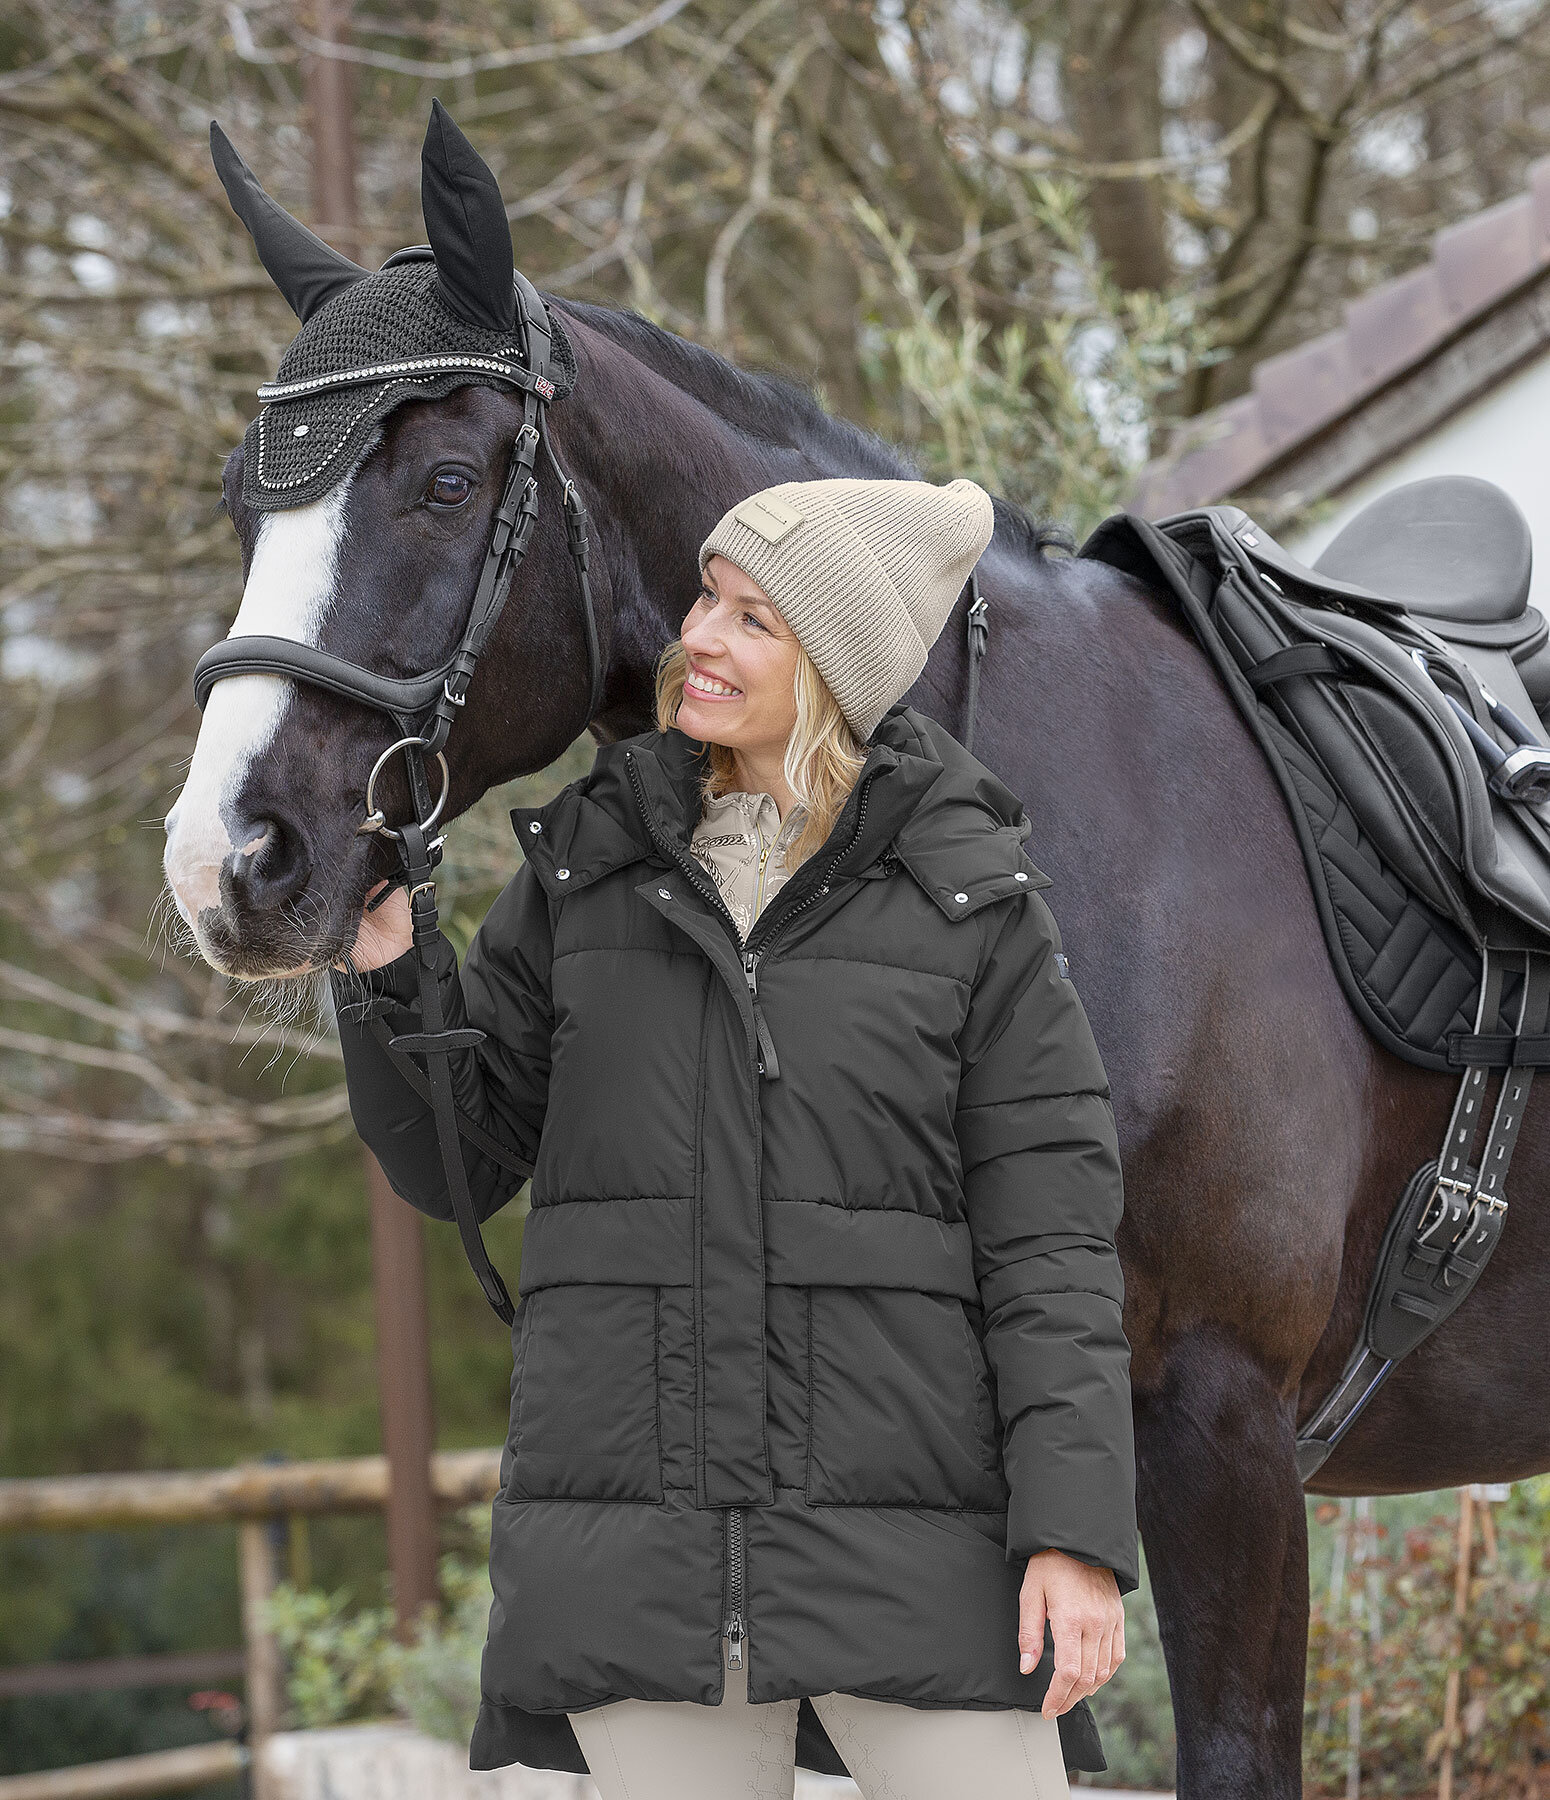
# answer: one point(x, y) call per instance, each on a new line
point(818, 1335)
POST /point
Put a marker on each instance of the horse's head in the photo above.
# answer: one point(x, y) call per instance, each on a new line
point(366, 526)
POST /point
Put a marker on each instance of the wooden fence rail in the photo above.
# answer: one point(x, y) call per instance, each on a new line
point(253, 1494)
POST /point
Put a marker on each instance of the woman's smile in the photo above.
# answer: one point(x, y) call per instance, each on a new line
point(711, 687)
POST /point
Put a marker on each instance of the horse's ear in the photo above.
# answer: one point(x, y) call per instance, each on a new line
point(305, 269)
point(465, 220)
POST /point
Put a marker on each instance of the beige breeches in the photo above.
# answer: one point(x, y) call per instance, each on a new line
point(680, 1750)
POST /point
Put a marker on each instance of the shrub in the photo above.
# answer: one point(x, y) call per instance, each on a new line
point(1395, 1647)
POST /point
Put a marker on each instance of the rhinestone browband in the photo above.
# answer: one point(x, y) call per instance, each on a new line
point(514, 373)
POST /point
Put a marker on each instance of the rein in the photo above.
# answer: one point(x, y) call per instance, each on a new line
point(423, 709)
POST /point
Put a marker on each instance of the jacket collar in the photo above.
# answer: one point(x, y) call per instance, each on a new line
point(953, 824)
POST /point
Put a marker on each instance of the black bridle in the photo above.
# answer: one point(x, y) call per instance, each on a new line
point(423, 708)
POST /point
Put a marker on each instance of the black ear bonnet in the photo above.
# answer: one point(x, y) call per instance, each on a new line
point(432, 318)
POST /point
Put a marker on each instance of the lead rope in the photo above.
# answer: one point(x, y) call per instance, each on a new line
point(514, 521)
point(436, 1044)
point(420, 857)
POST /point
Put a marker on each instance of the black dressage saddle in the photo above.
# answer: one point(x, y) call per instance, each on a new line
point(1398, 688)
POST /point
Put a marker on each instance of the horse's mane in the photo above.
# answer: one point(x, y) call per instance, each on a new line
point(778, 409)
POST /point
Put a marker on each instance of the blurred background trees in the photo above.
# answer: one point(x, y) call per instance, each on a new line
point(1017, 239)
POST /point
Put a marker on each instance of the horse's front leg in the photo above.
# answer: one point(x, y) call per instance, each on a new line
point(1223, 1523)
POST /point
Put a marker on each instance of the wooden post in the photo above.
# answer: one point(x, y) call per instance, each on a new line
point(329, 82)
point(261, 1649)
point(397, 1230)
point(1450, 1704)
point(404, 1378)
point(1363, 1606)
point(1487, 1525)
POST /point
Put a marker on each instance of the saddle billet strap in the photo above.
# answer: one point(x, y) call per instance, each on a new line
point(1517, 1077)
point(1453, 1160)
point(1448, 1221)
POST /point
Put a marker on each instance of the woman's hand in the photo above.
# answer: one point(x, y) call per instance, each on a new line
point(1087, 1618)
point(384, 934)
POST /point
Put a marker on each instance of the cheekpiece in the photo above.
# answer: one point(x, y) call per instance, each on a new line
point(384, 339)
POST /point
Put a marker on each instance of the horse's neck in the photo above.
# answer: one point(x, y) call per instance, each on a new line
point(660, 465)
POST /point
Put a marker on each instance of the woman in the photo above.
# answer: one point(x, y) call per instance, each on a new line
point(821, 1431)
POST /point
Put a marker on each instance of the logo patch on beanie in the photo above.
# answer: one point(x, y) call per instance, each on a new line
point(770, 517)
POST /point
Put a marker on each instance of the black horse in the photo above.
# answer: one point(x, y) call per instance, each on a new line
point(1265, 1136)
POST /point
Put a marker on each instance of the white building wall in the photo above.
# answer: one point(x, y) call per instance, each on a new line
point(1503, 437)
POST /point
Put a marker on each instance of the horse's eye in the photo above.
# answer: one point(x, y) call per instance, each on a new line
point(448, 488)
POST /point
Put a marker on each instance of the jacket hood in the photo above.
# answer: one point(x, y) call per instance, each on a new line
point(953, 824)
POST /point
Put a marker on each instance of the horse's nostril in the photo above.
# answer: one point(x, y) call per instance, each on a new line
point(270, 867)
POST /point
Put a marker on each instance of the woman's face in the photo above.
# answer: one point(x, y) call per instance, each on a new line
point(735, 639)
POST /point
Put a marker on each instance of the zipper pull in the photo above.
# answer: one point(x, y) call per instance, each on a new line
point(769, 1067)
point(735, 1633)
point(769, 1063)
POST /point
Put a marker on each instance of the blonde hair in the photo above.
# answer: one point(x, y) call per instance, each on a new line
point(823, 756)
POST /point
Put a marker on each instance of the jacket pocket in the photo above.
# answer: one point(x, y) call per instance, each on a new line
point(988, 1419)
point(899, 1407)
point(585, 1422)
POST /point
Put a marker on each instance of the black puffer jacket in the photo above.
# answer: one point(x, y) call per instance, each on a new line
point(820, 1317)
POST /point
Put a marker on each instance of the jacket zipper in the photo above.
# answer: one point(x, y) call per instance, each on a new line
point(769, 1066)
point(769, 1062)
point(735, 1630)
point(751, 957)
point(706, 890)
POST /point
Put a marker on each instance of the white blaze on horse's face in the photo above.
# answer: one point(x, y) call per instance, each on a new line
point(289, 589)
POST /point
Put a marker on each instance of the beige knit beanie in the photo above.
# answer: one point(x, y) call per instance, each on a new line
point(864, 572)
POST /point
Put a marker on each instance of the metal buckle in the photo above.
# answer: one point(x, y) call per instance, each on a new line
point(376, 821)
point(1460, 1190)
